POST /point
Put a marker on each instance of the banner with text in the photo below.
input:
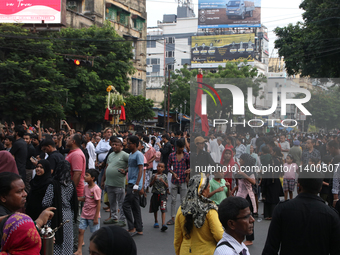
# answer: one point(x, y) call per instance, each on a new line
point(212, 51)
point(229, 13)
point(30, 11)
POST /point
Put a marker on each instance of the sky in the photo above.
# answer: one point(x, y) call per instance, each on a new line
point(274, 13)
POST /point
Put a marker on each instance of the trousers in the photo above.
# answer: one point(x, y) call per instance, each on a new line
point(132, 210)
point(116, 195)
point(182, 187)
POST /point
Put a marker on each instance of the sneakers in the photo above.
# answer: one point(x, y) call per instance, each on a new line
point(110, 221)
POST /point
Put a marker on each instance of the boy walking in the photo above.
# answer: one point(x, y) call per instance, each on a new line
point(159, 181)
point(91, 211)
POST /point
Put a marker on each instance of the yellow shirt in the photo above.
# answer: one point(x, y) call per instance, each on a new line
point(203, 240)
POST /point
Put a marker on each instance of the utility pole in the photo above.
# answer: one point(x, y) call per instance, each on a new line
point(168, 99)
point(164, 124)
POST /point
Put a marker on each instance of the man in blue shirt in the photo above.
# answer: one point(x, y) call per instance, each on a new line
point(131, 205)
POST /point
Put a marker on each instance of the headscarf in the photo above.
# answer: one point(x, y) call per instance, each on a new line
point(39, 186)
point(20, 236)
point(228, 175)
point(194, 203)
point(62, 176)
point(7, 163)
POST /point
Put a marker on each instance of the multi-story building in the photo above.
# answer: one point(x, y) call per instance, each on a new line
point(168, 49)
point(128, 17)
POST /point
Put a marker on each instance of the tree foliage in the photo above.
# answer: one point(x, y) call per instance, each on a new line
point(30, 83)
point(138, 108)
point(37, 82)
point(184, 87)
point(87, 85)
point(324, 107)
point(312, 47)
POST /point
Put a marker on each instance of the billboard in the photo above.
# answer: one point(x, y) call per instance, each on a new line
point(229, 13)
point(212, 51)
point(30, 11)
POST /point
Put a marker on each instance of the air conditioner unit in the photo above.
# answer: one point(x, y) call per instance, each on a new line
point(71, 3)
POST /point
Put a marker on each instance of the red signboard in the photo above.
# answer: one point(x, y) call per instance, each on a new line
point(30, 11)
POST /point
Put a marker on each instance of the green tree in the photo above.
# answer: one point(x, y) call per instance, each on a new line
point(87, 85)
point(312, 47)
point(31, 86)
point(138, 108)
point(184, 87)
point(324, 108)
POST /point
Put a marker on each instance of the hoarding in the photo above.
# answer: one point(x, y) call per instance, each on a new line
point(30, 11)
point(229, 13)
point(212, 51)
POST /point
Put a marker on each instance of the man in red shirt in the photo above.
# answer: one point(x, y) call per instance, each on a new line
point(78, 165)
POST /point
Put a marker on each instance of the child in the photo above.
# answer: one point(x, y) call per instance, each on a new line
point(290, 168)
point(159, 181)
point(219, 188)
point(91, 210)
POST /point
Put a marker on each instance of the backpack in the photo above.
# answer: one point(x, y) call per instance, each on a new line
point(158, 156)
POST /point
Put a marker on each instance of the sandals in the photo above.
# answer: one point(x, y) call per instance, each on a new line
point(156, 225)
point(170, 222)
point(164, 227)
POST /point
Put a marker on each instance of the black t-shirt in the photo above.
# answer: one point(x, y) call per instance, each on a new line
point(30, 153)
point(54, 158)
point(37, 150)
point(4, 211)
point(2, 147)
point(19, 151)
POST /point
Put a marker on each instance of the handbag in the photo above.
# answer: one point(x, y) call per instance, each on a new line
point(142, 201)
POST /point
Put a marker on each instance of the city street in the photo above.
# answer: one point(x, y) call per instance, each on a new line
point(155, 242)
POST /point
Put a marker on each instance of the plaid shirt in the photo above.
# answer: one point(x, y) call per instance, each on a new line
point(179, 167)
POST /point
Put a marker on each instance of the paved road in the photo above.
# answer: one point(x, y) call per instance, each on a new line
point(155, 242)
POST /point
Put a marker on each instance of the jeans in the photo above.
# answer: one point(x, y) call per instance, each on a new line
point(131, 207)
point(116, 195)
point(174, 190)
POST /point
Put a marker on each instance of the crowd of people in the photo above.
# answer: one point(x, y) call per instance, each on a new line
point(220, 179)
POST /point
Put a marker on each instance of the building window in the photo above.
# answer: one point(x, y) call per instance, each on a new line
point(155, 61)
point(138, 22)
point(140, 87)
point(185, 61)
point(151, 44)
point(134, 45)
point(137, 87)
point(170, 54)
point(170, 67)
point(156, 68)
point(170, 40)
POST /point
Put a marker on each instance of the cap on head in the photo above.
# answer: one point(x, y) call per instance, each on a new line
point(199, 139)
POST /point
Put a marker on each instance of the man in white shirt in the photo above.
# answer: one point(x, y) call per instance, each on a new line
point(102, 150)
point(103, 146)
point(285, 146)
point(91, 150)
point(236, 218)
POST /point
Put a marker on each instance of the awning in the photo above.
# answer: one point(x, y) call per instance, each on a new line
point(183, 117)
point(162, 115)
